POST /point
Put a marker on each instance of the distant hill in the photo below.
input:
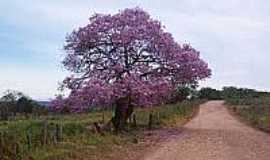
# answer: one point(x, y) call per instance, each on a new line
point(44, 103)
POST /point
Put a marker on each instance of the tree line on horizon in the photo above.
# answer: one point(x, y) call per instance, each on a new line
point(230, 92)
point(14, 103)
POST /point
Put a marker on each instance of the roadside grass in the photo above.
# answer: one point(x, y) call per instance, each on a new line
point(256, 111)
point(78, 141)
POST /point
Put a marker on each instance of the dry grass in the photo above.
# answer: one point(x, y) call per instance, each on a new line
point(80, 143)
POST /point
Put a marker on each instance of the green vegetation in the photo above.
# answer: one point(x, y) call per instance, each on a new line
point(15, 103)
point(75, 138)
point(210, 94)
point(252, 106)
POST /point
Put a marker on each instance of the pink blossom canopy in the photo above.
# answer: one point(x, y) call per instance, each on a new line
point(127, 53)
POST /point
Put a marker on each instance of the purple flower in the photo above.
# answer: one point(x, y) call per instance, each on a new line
point(126, 54)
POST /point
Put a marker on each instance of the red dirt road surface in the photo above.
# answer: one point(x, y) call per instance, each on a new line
point(214, 134)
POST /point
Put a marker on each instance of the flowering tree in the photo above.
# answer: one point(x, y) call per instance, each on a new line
point(127, 59)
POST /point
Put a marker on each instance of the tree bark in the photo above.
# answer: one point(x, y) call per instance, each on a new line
point(122, 112)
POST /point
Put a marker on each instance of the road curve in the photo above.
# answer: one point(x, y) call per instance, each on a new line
point(214, 135)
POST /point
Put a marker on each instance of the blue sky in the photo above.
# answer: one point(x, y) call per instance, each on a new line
point(232, 35)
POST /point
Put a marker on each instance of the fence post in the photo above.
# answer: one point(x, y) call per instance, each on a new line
point(134, 120)
point(54, 134)
point(150, 123)
point(45, 133)
point(103, 116)
point(17, 151)
point(29, 139)
point(58, 133)
point(2, 144)
point(158, 117)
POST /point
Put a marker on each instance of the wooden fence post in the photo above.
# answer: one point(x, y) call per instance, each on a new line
point(150, 123)
point(17, 152)
point(134, 120)
point(103, 116)
point(45, 133)
point(29, 139)
point(158, 117)
point(58, 133)
point(2, 144)
point(54, 134)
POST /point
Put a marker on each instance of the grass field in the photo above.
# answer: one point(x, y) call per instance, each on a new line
point(24, 139)
point(255, 111)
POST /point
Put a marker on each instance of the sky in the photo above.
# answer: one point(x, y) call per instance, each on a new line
point(232, 36)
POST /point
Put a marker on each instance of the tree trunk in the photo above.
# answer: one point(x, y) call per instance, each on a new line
point(122, 112)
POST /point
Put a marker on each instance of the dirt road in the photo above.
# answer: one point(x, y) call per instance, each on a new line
point(214, 135)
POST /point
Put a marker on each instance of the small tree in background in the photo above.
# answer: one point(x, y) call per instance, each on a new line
point(8, 103)
point(126, 59)
point(14, 102)
point(25, 105)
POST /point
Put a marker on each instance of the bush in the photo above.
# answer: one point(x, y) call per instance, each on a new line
point(210, 94)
